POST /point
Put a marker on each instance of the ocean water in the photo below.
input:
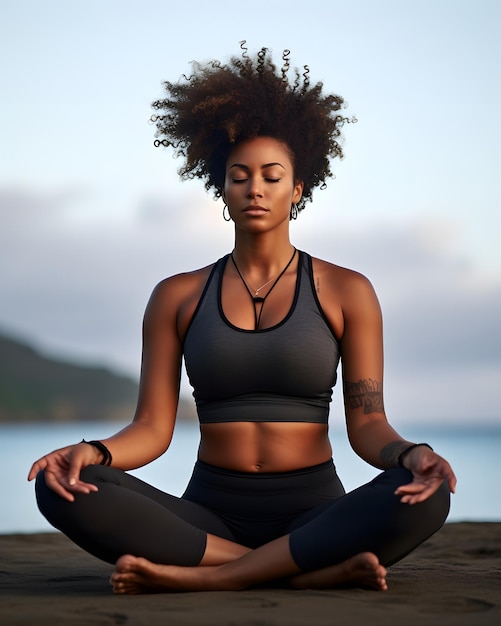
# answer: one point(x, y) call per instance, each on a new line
point(473, 452)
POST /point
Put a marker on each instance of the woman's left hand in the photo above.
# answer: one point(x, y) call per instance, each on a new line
point(429, 471)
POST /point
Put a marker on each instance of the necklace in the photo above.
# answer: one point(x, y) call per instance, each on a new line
point(256, 298)
point(256, 292)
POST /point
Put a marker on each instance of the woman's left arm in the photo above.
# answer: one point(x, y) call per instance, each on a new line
point(370, 434)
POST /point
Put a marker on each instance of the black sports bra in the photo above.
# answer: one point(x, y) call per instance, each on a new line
point(284, 373)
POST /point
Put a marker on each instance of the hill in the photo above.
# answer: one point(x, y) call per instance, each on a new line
point(34, 387)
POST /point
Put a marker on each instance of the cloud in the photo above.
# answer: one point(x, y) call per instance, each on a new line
point(439, 309)
point(77, 283)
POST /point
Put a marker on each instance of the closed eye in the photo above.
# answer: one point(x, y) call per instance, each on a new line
point(243, 180)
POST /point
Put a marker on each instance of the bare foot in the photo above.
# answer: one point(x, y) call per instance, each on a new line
point(361, 570)
point(134, 575)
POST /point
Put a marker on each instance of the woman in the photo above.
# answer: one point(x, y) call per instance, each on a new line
point(262, 331)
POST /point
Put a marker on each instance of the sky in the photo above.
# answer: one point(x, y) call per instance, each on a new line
point(92, 215)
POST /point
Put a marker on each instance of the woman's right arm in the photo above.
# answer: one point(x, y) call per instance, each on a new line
point(150, 433)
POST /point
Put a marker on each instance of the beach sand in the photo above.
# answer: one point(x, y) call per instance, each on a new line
point(453, 579)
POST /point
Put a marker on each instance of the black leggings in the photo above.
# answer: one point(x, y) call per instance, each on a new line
point(325, 525)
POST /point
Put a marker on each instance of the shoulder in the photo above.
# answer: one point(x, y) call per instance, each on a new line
point(174, 299)
point(182, 284)
point(344, 294)
point(345, 282)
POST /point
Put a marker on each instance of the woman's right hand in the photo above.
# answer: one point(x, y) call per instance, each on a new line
point(62, 469)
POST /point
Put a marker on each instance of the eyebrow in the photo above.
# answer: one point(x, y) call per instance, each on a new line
point(266, 165)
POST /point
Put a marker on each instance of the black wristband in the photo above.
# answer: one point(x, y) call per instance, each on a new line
point(400, 458)
point(107, 458)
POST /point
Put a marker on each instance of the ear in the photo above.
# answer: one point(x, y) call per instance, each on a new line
point(297, 192)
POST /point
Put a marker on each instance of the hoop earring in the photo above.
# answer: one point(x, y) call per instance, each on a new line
point(226, 213)
point(294, 212)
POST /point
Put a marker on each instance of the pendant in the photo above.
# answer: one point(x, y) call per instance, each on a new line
point(258, 299)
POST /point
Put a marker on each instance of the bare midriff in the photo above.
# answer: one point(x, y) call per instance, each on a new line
point(264, 446)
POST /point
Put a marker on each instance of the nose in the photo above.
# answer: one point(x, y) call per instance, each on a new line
point(255, 190)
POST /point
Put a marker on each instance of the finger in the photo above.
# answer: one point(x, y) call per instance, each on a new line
point(60, 484)
point(416, 498)
point(37, 466)
point(73, 481)
point(410, 488)
point(52, 482)
point(418, 492)
point(452, 482)
point(81, 487)
point(412, 499)
point(69, 491)
point(76, 465)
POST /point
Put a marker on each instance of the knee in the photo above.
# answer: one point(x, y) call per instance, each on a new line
point(429, 515)
point(55, 508)
point(437, 505)
point(47, 500)
point(441, 501)
point(40, 487)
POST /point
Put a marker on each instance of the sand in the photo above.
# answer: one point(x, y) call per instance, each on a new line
point(453, 579)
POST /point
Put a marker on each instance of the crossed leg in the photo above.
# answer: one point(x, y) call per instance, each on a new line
point(393, 528)
point(229, 566)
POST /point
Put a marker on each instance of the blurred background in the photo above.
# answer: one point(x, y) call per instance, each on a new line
point(92, 216)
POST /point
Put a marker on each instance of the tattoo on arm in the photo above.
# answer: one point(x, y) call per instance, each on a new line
point(366, 393)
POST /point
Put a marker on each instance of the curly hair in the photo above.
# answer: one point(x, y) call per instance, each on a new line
point(220, 105)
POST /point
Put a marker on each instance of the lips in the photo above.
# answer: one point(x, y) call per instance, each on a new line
point(255, 208)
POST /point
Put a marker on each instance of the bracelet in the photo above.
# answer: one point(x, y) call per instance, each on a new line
point(107, 458)
point(400, 458)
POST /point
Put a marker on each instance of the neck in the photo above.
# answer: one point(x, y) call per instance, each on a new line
point(262, 255)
